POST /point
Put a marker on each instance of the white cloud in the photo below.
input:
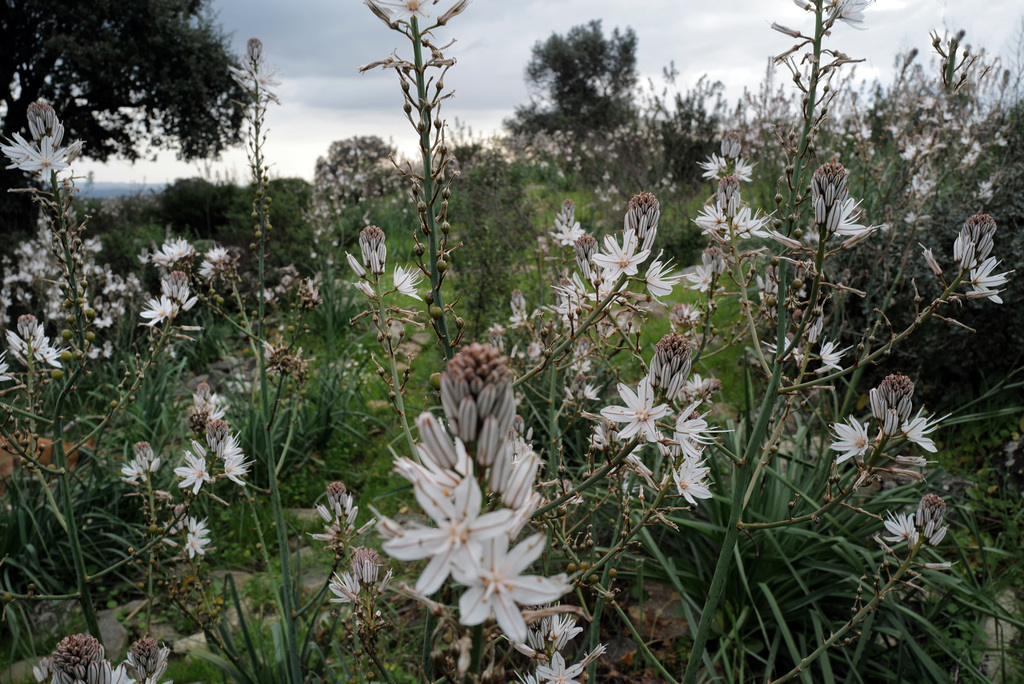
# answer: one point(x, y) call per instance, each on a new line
point(318, 47)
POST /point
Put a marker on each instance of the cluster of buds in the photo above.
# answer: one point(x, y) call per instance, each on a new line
point(476, 392)
point(924, 525)
point(339, 516)
point(670, 365)
point(142, 466)
point(829, 194)
point(363, 575)
point(79, 659)
point(642, 218)
point(567, 229)
point(206, 405)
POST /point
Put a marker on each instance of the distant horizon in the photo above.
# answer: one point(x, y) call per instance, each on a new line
point(325, 99)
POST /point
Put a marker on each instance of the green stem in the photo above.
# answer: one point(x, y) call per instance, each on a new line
point(424, 127)
point(744, 472)
point(561, 347)
point(589, 482)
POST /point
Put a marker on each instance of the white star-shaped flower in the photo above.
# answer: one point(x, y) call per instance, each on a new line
point(916, 430)
point(406, 281)
point(640, 411)
point(458, 537)
point(853, 440)
point(617, 261)
point(496, 584)
point(830, 356)
point(194, 470)
point(689, 478)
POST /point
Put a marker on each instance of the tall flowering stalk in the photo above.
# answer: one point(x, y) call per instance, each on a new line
point(431, 188)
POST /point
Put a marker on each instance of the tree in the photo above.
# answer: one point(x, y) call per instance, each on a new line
point(125, 76)
point(579, 83)
point(357, 168)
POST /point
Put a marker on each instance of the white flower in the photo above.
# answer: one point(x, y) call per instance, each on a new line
point(982, 281)
point(617, 261)
point(345, 587)
point(400, 10)
point(558, 673)
point(830, 357)
point(215, 263)
point(748, 225)
point(172, 252)
point(853, 440)
point(659, 282)
point(196, 538)
point(711, 219)
point(701, 277)
point(236, 467)
point(901, 527)
point(459, 534)
point(743, 170)
point(916, 429)
point(689, 478)
point(4, 368)
point(639, 411)
point(850, 11)
point(194, 470)
point(496, 585)
point(690, 431)
point(406, 281)
point(159, 310)
point(714, 166)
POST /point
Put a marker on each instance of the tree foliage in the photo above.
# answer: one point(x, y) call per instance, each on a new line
point(125, 76)
point(358, 168)
point(580, 82)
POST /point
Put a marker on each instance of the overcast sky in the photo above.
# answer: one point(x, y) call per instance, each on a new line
point(318, 46)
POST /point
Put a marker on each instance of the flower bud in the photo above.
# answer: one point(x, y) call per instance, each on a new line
point(731, 143)
point(254, 50)
point(371, 242)
point(586, 248)
point(930, 513)
point(828, 192)
point(642, 218)
point(729, 195)
point(476, 392)
point(670, 365)
point(891, 402)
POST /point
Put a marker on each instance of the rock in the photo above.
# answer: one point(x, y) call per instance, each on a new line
point(114, 635)
point(999, 639)
point(193, 642)
point(307, 517)
point(21, 671)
